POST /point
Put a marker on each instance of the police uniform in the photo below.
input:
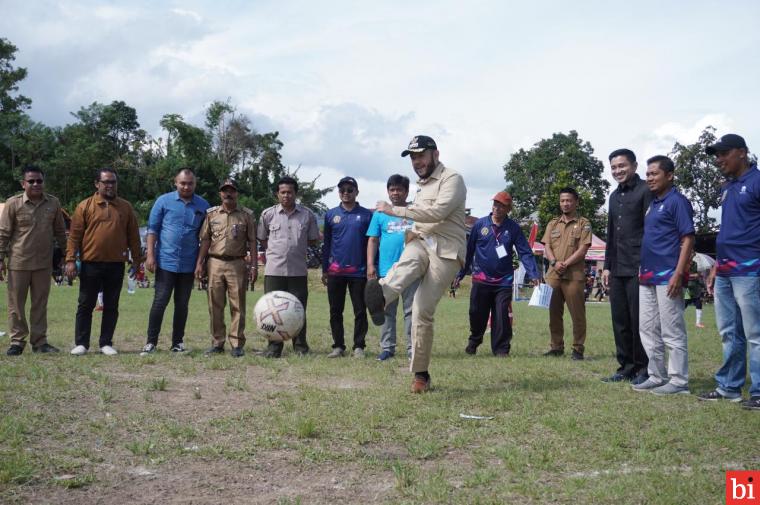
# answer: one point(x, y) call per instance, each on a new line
point(232, 234)
point(565, 238)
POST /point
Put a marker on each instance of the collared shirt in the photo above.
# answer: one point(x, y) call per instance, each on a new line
point(345, 241)
point(489, 252)
point(176, 224)
point(27, 230)
point(232, 234)
point(288, 236)
point(668, 219)
point(438, 212)
point(104, 230)
point(625, 227)
point(738, 242)
point(392, 231)
point(565, 238)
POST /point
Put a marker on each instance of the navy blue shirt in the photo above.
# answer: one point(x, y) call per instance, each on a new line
point(667, 220)
point(176, 225)
point(738, 242)
point(483, 259)
point(345, 241)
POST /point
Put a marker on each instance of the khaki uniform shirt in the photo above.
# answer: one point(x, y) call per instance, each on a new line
point(27, 230)
point(104, 230)
point(232, 234)
point(565, 238)
point(287, 237)
point(438, 213)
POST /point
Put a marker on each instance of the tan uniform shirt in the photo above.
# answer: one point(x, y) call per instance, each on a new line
point(104, 230)
point(565, 238)
point(288, 236)
point(232, 234)
point(438, 213)
point(27, 230)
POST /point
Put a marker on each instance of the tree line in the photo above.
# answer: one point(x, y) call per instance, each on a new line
point(227, 144)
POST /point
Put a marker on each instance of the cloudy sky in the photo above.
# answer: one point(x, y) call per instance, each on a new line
point(348, 83)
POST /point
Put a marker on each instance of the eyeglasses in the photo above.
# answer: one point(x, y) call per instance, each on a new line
point(108, 182)
point(34, 181)
point(346, 190)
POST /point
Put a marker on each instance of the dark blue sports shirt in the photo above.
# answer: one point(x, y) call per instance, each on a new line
point(344, 251)
point(738, 242)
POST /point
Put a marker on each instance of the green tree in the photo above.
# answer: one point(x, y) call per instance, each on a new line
point(12, 107)
point(699, 179)
point(535, 176)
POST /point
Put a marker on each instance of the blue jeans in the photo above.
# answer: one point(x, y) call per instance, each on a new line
point(737, 313)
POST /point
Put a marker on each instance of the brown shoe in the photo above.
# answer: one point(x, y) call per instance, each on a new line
point(420, 385)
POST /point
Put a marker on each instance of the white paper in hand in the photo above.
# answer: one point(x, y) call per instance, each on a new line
point(541, 296)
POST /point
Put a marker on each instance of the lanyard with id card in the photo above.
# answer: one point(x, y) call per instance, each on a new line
point(501, 251)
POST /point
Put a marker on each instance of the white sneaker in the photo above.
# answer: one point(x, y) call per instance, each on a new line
point(79, 350)
point(108, 350)
point(358, 352)
point(148, 349)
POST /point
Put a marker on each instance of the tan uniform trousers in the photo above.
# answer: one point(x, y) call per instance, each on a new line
point(227, 279)
point(572, 293)
point(436, 273)
point(21, 283)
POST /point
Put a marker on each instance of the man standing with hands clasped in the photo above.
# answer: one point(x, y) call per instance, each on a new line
point(665, 257)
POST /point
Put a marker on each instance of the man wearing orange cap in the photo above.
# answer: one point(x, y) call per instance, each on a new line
point(566, 241)
point(489, 260)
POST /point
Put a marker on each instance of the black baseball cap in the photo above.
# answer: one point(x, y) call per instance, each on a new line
point(348, 180)
point(418, 144)
point(726, 143)
point(228, 183)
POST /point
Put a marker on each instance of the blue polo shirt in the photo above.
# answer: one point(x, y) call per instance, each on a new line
point(667, 220)
point(176, 225)
point(738, 242)
point(345, 241)
point(391, 230)
point(483, 258)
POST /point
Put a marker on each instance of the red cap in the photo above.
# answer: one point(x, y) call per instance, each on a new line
point(503, 198)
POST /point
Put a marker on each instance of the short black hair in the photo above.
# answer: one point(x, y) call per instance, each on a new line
point(31, 168)
point(100, 171)
point(623, 152)
point(665, 163)
point(187, 170)
point(288, 180)
point(398, 180)
point(570, 191)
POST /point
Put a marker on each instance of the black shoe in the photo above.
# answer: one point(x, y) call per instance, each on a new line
point(640, 378)
point(715, 395)
point(375, 301)
point(577, 356)
point(237, 352)
point(214, 350)
point(45, 348)
point(555, 352)
point(14, 350)
point(752, 404)
point(301, 351)
point(617, 377)
point(269, 353)
point(471, 349)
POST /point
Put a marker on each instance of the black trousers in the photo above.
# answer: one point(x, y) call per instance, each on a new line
point(298, 287)
point(336, 296)
point(166, 282)
point(624, 304)
point(94, 277)
point(488, 300)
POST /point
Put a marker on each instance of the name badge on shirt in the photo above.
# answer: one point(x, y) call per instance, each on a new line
point(501, 251)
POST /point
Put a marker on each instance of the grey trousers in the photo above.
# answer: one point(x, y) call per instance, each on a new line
point(662, 326)
point(388, 329)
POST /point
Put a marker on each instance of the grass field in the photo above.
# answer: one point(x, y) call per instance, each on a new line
point(192, 429)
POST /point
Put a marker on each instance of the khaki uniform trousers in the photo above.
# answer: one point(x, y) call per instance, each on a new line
point(227, 279)
point(21, 283)
point(572, 293)
point(418, 261)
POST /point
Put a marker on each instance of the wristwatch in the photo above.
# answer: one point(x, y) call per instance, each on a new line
point(552, 263)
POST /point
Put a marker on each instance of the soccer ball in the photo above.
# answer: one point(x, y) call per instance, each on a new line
point(278, 316)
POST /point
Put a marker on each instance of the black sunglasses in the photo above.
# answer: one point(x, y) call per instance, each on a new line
point(346, 190)
point(34, 181)
point(108, 182)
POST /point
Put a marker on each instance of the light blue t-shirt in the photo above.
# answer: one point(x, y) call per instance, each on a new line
point(391, 231)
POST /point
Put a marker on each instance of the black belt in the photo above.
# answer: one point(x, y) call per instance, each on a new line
point(225, 257)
